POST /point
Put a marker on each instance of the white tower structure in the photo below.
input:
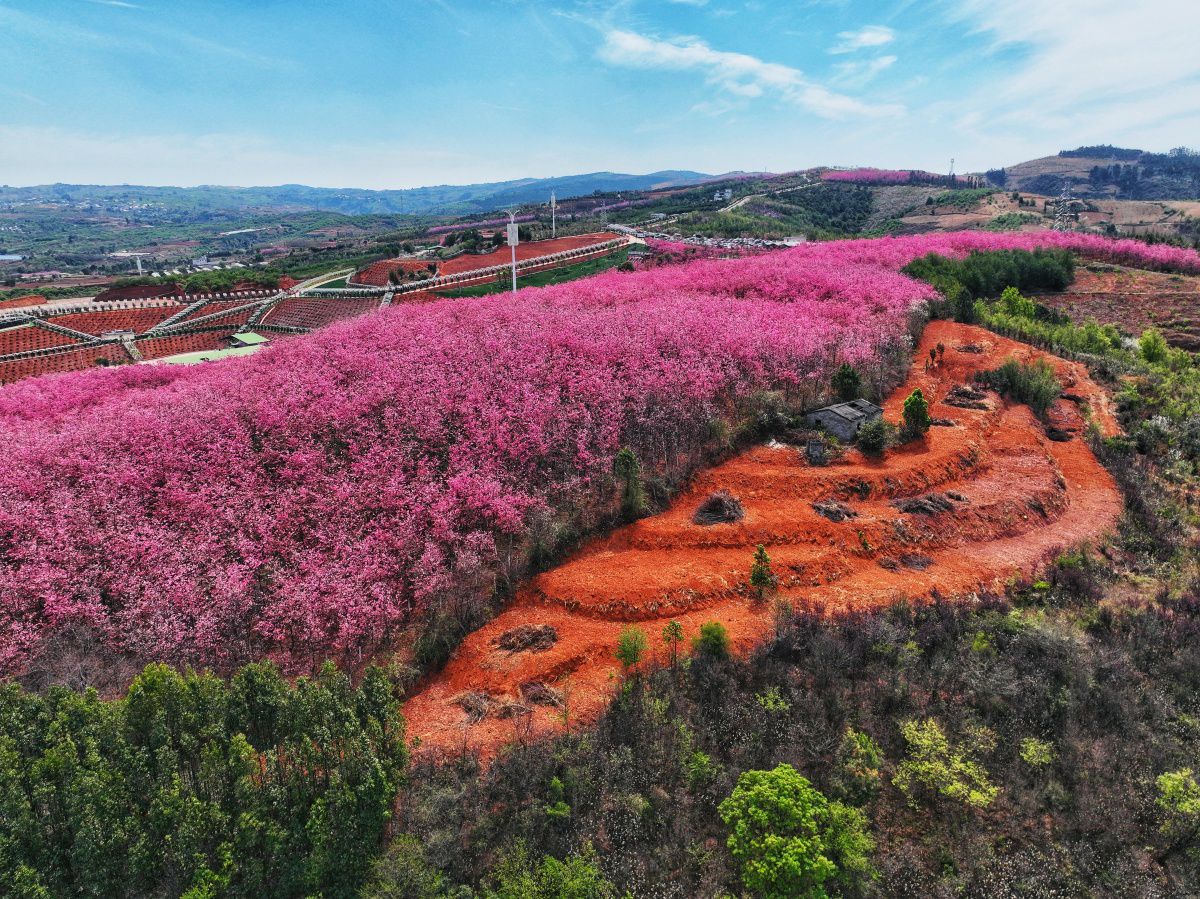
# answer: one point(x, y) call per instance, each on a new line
point(1064, 209)
point(553, 216)
point(513, 239)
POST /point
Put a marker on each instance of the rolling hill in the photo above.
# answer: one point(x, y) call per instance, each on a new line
point(1108, 172)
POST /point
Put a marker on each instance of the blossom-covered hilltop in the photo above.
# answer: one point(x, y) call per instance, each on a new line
point(311, 500)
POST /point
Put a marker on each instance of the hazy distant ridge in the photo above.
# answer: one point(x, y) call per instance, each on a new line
point(439, 199)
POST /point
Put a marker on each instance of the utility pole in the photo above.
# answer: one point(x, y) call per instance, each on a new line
point(513, 238)
point(553, 217)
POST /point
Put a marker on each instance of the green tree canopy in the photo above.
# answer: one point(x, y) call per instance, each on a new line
point(761, 576)
point(191, 786)
point(713, 640)
point(789, 840)
point(937, 768)
point(846, 383)
point(916, 415)
point(631, 645)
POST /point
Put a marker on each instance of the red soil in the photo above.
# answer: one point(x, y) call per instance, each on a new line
point(1135, 300)
point(24, 338)
point(140, 292)
point(32, 299)
point(99, 321)
point(1020, 498)
point(376, 274)
point(503, 255)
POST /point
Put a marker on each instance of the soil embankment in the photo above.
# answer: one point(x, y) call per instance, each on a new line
point(985, 496)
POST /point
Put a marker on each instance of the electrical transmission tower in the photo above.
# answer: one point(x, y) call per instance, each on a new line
point(1065, 215)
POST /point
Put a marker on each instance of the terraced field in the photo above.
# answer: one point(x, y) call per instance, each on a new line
point(1135, 300)
point(987, 495)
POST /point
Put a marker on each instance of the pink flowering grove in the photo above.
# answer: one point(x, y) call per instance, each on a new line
point(879, 176)
point(312, 499)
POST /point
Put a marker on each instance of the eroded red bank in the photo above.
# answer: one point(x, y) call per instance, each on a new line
point(1017, 498)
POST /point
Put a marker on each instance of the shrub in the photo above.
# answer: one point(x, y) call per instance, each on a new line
point(402, 872)
point(859, 767)
point(518, 876)
point(916, 416)
point(1153, 346)
point(1033, 383)
point(936, 768)
point(1036, 753)
point(712, 641)
point(789, 840)
point(1013, 303)
point(1179, 802)
point(631, 645)
point(876, 436)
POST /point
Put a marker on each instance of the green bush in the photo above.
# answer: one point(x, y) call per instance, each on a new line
point(518, 876)
point(402, 872)
point(761, 576)
point(1033, 383)
point(916, 416)
point(789, 840)
point(876, 436)
point(1153, 346)
point(631, 645)
point(1036, 753)
point(712, 641)
point(859, 772)
point(935, 768)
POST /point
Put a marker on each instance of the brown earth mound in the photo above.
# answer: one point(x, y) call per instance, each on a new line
point(1008, 498)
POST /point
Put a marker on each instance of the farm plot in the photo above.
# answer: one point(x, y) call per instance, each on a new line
point(1135, 300)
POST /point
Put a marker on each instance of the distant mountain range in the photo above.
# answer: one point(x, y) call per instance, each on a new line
point(442, 199)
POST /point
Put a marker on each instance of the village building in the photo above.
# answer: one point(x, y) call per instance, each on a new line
point(843, 420)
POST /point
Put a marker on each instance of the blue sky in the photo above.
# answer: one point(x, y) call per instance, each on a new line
point(398, 93)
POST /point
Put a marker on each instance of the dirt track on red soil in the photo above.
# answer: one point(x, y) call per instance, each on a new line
point(1017, 499)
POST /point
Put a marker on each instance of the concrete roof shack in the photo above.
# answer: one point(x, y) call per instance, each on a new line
point(843, 420)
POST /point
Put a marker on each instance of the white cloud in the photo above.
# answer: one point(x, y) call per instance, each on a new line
point(1085, 71)
point(696, 3)
point(859, 74)
point(735, 73)
point(120, 3)
point(864, 38)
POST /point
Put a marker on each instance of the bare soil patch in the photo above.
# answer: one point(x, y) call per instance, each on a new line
point(1014, 499)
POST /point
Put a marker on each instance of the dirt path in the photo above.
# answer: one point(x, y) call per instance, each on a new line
point(1016, 498)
